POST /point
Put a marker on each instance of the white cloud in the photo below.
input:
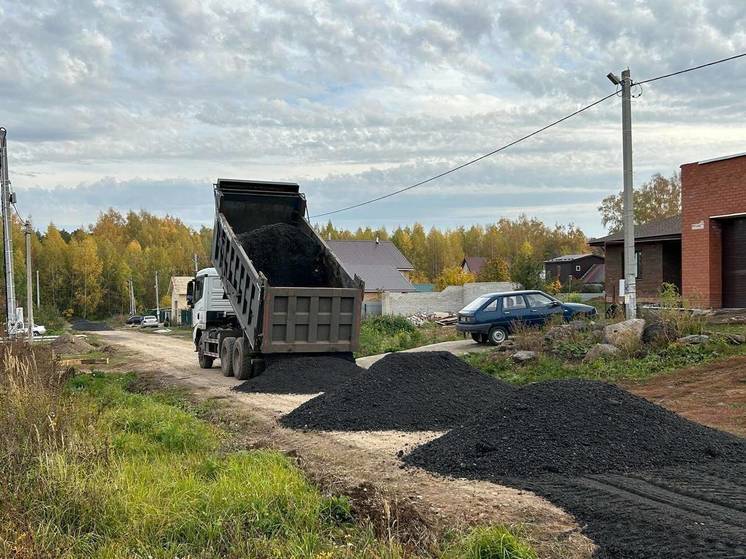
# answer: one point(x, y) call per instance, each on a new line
point(358, 99)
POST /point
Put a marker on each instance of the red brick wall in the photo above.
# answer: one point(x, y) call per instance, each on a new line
point(710, 189)
point(652, 271)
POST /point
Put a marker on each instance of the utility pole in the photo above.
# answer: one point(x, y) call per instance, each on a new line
point(7, 200)
point(131, 289)
point(196, 264)
point(38, 303)
point(630, 261)
point(157, 302)
point(29, 283)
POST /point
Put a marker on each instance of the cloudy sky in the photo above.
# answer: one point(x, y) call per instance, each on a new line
point(139, 104)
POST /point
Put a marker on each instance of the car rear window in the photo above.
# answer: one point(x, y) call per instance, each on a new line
point(476, 304)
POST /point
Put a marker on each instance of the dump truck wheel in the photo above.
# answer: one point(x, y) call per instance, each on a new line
point(205, 361)
point(226, 356)
point(497, 335)
point(242, 369)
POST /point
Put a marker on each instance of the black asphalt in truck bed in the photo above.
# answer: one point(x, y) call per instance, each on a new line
point(289, 257)
point(302, 375)
point(643, 481)
point(402, 391)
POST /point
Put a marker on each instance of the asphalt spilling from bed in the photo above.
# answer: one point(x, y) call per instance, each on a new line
point(403, 391)
point(302, 375)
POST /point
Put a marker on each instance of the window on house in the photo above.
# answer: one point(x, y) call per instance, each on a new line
point(638, 264)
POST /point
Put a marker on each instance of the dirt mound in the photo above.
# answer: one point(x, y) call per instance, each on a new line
point(302, 375)
point(402, 391)
point(573, 427)
point(67, 344)
point(289, 257)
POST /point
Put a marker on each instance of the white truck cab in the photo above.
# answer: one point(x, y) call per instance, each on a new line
point(210, 307)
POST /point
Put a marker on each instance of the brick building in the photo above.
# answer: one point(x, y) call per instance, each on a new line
point(714, 231)
point(658, 254)
point(703, 251)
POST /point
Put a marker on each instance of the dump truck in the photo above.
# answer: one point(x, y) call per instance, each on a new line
point(276, 288)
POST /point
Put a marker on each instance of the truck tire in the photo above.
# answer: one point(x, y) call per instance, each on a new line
point(226, 356)
point(497, 335)
point(205, 361)
point(242, 368)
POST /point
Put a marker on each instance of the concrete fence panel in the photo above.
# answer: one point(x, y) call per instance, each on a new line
point(452, 299)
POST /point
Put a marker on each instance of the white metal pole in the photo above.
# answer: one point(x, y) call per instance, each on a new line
point(157, 302)
point(630, 262)
point(29, 284)
point(38, 303)
point(10, 290)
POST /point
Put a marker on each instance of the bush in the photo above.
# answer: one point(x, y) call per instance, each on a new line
point(494, 542)
point(389, 325)
point(48, 316)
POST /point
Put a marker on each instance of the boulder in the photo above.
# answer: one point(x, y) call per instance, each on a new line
point(507, 345)
point(658, 332)
point(601, 350)
point(523, 356)
point(564, 331)
point(623, 333)
point(693, 339)
point(735, 339)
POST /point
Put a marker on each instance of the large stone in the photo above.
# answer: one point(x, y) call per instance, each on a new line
point(523, 356)
point(657, 332)
point(565, 331)
point(601, 350)
point(622, 334)
point(693, 339)
point(735, 339)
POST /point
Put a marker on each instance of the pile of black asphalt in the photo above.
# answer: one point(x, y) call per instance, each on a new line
point(643, 481)
point(420, 391)
point(84, 325)
point(308, 374)
point(289, 257)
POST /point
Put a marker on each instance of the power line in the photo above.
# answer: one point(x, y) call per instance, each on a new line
point(522, 138)
point(471, 161)
point(691, 69)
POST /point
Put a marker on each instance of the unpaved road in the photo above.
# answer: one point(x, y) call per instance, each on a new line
point(361, 464)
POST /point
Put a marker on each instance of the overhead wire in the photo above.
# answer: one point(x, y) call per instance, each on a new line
point(523, 138)
point(471, 161)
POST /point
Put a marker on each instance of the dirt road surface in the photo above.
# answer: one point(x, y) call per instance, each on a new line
point(362, 465)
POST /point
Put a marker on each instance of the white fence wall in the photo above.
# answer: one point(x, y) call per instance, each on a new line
point(452, 299)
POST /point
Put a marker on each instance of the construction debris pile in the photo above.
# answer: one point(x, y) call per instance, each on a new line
point(403, 391)
point(302, 375)
point(288, 257)
point(439, 318)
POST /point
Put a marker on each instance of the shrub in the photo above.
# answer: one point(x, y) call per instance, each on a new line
point(494, 542)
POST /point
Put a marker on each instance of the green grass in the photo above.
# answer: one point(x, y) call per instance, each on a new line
point(142, 475)
point(643, 364)
point(383, 334)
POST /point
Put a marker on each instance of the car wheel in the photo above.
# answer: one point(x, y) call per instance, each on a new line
point(226, 356)
point(497, 335)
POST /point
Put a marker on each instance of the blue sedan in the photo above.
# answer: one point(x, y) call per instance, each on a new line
point(492, 317)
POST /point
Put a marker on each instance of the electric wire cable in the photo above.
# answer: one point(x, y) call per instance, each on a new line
point(471, 161)
point(685, 70)
point(526, 137)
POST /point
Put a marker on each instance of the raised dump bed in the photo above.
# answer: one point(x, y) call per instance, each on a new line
point(288, 292)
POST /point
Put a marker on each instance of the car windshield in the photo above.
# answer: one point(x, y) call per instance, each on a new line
point(476, 303)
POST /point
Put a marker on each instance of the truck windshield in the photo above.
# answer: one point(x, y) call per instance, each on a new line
point(476, 303)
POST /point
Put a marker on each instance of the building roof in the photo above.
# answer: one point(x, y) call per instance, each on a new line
point(721, 158)
point(380, 277)
point(178, 284)
point(570, 257)
point(595, 274)
point(667, 228)
point(370, 253)
point(475, 263)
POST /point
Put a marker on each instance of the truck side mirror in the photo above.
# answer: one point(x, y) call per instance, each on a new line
point(190, 294)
